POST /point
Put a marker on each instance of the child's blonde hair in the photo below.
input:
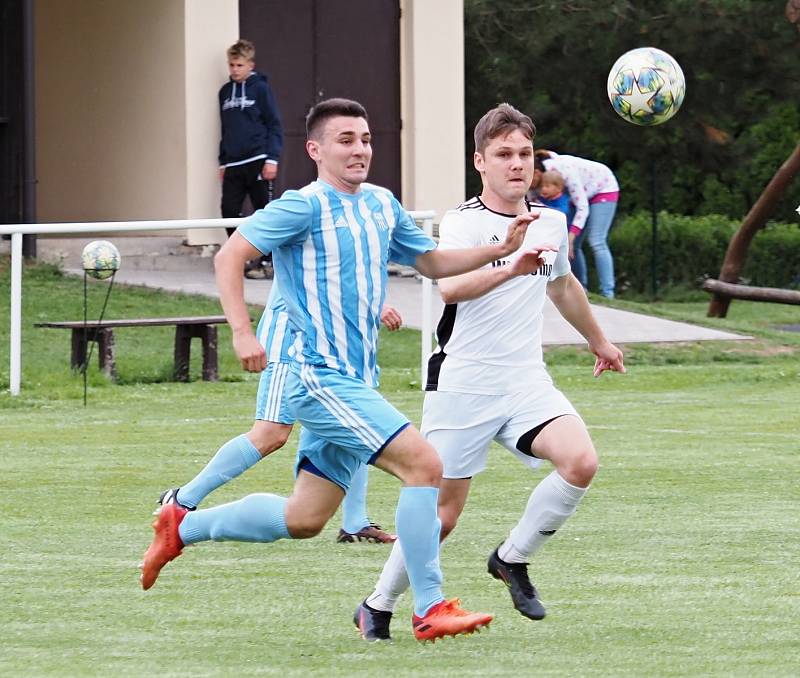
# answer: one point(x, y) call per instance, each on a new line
point(242, 49)
point(553, 177)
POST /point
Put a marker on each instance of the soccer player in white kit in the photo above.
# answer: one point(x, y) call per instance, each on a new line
point(487, 379)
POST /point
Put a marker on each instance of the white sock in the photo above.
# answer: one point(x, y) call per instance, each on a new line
point(392, 582)
point(552, 501)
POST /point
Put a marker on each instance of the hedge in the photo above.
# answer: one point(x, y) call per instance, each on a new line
point(691, 249)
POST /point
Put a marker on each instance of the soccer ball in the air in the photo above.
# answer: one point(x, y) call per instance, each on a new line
point(100, 259)
point(646, 86)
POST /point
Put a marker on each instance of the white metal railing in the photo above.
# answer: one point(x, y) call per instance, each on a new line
point(16, 231)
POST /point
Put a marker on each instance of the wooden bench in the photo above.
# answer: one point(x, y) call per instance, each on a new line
point(102, 333)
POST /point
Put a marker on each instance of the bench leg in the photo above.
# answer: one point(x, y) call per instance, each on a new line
point(107, 355)
point(104, 337)
point(209, 339)
point(78, 355)
point(183, 346)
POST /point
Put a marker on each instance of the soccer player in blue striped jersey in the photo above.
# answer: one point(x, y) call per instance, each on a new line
point(331, 242)
point(271, 428)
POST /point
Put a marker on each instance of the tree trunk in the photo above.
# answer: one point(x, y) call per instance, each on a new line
point(755, 220)
point(773, 294)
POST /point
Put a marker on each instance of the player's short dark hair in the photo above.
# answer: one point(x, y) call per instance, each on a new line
point(331, 108)
point(502, 119)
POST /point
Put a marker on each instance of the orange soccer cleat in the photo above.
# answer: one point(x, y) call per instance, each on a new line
point(167, 544)
point(448, 619)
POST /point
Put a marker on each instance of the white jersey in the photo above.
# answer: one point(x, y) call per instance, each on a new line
point(488, 345)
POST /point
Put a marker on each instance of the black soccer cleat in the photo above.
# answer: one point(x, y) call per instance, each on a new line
point(372, 624)
point(515, 577)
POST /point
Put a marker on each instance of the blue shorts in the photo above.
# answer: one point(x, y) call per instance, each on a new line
point(271, 401)
point(345, 422)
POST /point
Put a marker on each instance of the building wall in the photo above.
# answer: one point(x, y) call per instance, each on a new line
point(126, 116)
point(432, 82)
point(211, 27)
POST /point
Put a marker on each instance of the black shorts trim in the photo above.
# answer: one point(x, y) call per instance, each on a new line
point(525, 442)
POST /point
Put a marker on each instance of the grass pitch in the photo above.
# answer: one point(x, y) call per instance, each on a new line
point(682, 560)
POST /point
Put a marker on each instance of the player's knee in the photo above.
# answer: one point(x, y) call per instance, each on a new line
point(580, 468)
point(449, 519)
point(304, 527)
point(269, 439)
point(428, 470)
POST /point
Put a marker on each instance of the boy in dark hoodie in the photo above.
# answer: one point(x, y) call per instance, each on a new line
point(251, 143)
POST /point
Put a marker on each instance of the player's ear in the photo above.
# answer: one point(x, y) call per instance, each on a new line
point(477, 160)
point(312, 148)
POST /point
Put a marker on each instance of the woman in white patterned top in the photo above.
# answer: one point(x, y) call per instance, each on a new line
point(593, 192)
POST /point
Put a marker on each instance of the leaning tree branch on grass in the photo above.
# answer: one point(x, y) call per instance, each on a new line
point(755, 220)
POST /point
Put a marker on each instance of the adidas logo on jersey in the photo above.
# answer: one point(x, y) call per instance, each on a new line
point(494, 240)
point(341, 223)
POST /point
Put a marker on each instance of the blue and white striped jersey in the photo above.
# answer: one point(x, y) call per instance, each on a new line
point(274, 332)
point(330, 251)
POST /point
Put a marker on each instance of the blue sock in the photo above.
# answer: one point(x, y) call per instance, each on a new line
point(354, 506)
point(231, 460)
point(257, 517)
point(418, 527)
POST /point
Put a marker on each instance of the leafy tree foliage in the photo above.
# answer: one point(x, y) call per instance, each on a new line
point(739, 121)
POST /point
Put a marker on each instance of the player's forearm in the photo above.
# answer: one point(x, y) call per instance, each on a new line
point(446, 263)
point(473, 285)
point(570, 300)
point(228, 273)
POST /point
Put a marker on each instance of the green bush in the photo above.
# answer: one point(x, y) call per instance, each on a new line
point(692, 248)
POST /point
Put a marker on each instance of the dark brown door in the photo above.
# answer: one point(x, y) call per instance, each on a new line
point(316, 49)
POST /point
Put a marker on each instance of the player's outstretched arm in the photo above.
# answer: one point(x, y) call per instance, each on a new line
point(229, 268)
point(445, 263)
point(475, 284)
point(570, 299)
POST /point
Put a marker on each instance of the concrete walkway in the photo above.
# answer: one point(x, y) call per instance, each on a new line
point(621, 327)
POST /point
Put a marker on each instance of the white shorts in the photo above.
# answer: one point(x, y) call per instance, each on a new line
point(461, 426)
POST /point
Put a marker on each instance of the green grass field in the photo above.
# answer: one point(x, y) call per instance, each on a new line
point(682, 560)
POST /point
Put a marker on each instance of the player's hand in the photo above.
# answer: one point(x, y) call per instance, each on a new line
point(391, 318)
point(516, 232)
point(531, 260)
point(221, 173)
point(269, 171)
point(607, 357)
point(249, 351)
point(571, 253)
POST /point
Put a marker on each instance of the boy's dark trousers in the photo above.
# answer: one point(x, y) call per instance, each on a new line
point(238, 182)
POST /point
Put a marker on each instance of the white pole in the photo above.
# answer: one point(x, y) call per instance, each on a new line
point(16, 313)
point(16, 231)
point(427, 291)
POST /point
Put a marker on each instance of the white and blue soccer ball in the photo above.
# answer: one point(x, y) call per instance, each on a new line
point(646, 86)
point(100, 259)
